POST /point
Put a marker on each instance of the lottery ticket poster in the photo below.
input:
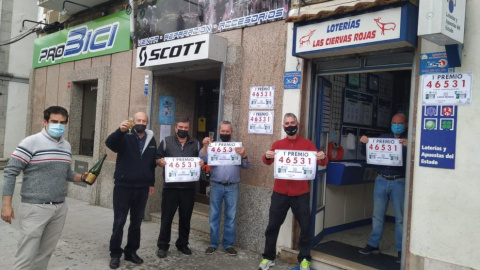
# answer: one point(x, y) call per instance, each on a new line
point(384, 151)
point(260, 122)
point(295, 165)
point(261, 97)
point(184, 169)
point(223, 154)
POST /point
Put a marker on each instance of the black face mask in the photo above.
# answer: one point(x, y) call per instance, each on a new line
point(225, 137)
point(182, 133)
point(291, 130)
point(140, 128)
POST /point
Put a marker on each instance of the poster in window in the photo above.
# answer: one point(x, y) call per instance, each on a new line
point(166, 110)
point(353, 80)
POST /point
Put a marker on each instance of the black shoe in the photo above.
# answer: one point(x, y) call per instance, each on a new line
point(161, 253)
point(231, 251)
point(114, 263)
point(368, 250)
point(210, 250)
point(185, 250)
point(133, 258)
point(399, 258)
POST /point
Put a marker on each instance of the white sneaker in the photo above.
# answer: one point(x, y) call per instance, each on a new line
point(265, 264)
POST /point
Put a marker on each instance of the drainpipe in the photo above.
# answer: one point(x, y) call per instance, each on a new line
point(132, 20)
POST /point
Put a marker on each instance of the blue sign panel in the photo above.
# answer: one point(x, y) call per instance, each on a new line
point(166, 110)
point(292, 80)
point(431, 63)
point(438, 136)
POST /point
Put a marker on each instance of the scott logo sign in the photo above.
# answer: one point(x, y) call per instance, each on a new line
point(81, 41)
point(165, 52)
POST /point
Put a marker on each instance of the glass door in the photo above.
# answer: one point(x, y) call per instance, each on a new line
point(320, 125)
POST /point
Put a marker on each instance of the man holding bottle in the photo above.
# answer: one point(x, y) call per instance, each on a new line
point(177, 195)
point(134, 182)
point(45, 159)
point(294, 194)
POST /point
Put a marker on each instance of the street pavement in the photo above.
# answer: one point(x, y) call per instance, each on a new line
point(85, 239)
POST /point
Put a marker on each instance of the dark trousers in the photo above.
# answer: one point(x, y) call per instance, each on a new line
point(278, 211)
point(173, 199)
point(124, 200)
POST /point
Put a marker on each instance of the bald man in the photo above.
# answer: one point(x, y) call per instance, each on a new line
point(134, 181)
point(389, 185)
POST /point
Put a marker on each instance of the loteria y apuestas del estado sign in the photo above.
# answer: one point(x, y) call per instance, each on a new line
point(106, 35)
point(380, 26)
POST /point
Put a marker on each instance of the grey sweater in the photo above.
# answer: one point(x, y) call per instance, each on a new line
point(46, 165)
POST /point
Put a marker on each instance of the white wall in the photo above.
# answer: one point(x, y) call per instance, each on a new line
point(446, 203)
point(20, 65)
point(16, 122)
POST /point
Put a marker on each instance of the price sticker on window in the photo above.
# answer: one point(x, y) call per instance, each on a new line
point(447, 89)
point(261, 97)
point(384, 151)
point(223, 154)
point(295, 165)
point(260, 122)
point(184, 169)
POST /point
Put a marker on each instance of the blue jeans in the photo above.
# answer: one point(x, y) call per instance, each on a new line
point(393, 190)
point(218, 194)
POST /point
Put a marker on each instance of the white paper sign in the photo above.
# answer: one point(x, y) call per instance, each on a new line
point(223, 154)
point(447, 89)
point(295, 165)
point(260, 122)
point(182, 169)
point(384, 151)
point(261, 97)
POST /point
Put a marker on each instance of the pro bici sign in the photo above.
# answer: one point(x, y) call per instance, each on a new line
point(106, 35)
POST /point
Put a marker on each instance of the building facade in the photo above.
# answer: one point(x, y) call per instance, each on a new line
point(340, 87)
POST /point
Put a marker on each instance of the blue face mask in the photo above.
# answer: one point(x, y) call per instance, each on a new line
point(56, 130)
point(397, 129)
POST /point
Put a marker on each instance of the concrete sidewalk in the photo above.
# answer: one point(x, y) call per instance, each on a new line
point(85, 239)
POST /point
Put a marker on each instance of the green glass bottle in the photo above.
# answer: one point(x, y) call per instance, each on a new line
point(94, 171)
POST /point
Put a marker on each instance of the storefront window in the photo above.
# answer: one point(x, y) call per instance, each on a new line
point(87, 131)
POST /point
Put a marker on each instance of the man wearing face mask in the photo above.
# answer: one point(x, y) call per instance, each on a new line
point(389, 185)
point(294, 194)
point(177, 195)
point(224, 188)
point(134, 182)
point(45, 159)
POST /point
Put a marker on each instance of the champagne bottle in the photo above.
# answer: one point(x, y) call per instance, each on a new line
point(94, 171)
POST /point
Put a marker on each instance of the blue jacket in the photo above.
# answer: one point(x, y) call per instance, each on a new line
point(133, 168)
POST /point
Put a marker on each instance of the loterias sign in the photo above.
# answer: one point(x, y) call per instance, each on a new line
point(106, 35)
point(379, 30)
point(202, 49)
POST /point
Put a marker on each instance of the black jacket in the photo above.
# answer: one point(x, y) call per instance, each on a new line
point(133, 168)
point(171, 147)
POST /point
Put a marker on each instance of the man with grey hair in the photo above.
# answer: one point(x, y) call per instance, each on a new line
point(224, 188)
point(294, 194)
point(45, 159)
point(134, 182)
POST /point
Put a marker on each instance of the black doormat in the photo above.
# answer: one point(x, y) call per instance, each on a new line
point(348, 252)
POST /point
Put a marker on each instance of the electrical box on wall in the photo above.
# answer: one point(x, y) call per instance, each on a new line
point(442, 21)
